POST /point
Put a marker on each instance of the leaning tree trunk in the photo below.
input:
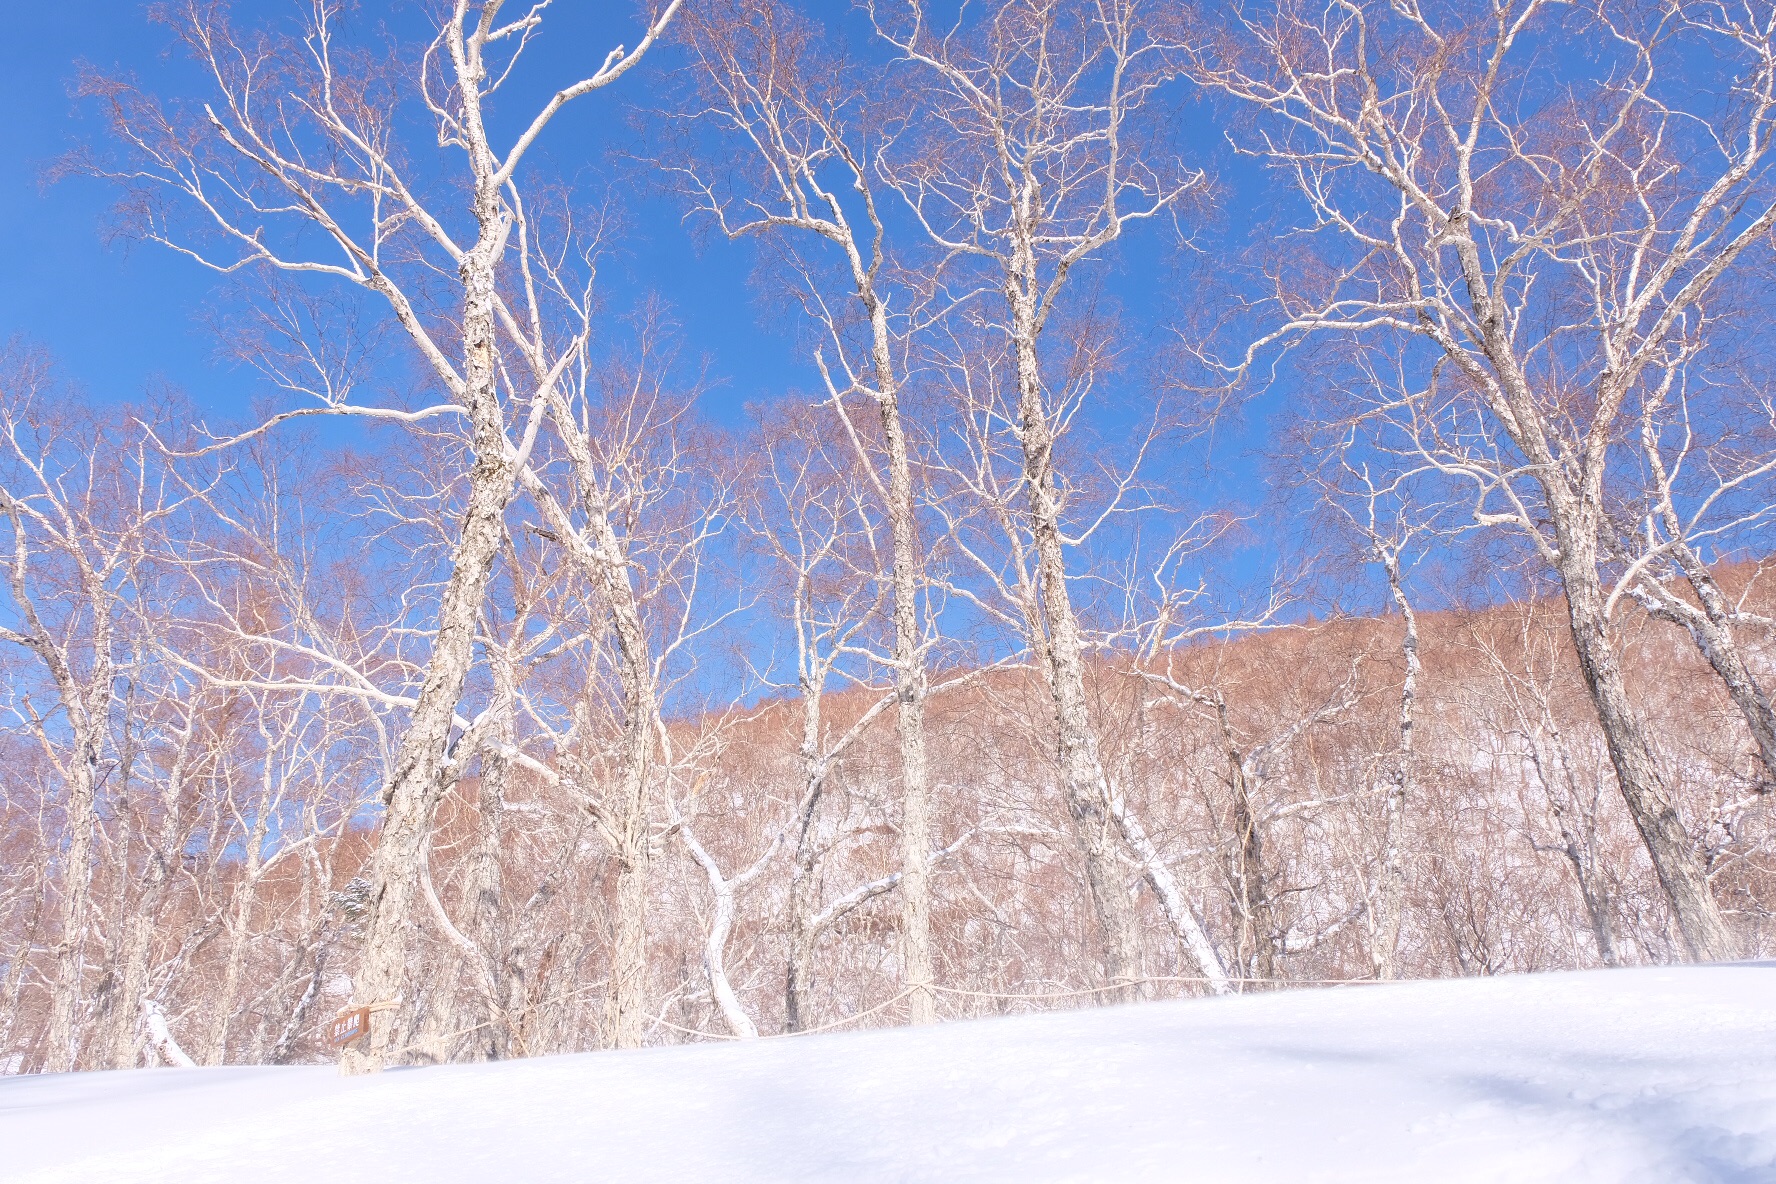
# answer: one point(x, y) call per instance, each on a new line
point(1082, 773)
point(1699, 921)
point(1572, 488)
point(1709, 621)
point(1193, 941)
point(411, 796)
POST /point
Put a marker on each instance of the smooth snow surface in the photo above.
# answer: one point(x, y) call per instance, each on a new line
point(1657, 1075)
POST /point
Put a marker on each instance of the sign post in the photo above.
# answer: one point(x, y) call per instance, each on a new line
point(347, 1026)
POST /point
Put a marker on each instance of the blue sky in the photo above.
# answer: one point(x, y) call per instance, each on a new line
point(112, 317)
point(122, 317)
point(118, 316)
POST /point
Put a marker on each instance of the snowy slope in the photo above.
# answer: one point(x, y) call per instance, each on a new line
point(1659, 1075)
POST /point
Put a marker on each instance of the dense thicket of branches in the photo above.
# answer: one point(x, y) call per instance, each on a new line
point(555, 713)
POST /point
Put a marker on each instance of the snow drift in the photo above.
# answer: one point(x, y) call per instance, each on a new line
point(1656, 1075)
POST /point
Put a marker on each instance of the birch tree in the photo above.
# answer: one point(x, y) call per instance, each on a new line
point(300, 164)
point(726, 890)
point(1393, 524)
point(769, 84)
point(1022, 163)
point(1527, 673)
point(77, 499)
point(1708, 485)
point(812, 517)
point(1559, 249)
point(634, 500)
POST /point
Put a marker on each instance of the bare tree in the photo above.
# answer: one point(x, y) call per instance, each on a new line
point(634, 503)
point(77, 498)
point(1020, 165)
point(812, 516)
point(172, 820)
point(1527, 673)
point(1388, 515)
point(1728, 468)
point(1558, 253)
point(768, 83)
point(1260, 936)
point(303, 138)
point(818, 517)
point(725, 889)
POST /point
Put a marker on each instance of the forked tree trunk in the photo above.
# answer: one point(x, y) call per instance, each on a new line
point(716, 967)
point(715, 942)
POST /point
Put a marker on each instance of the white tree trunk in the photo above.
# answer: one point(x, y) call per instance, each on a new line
point(1391, 893)
point(418, 781)
point(160, 1036)
point(1699, 921)
point(715, 942)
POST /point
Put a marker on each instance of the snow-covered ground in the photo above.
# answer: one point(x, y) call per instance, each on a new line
point(1659, 1075)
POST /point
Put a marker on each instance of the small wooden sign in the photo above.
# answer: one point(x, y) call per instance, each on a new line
point(348, 1026)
